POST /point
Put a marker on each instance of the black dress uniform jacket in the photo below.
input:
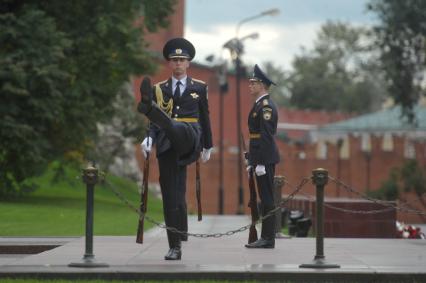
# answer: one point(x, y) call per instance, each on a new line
point(191, 107)
point(262, 123)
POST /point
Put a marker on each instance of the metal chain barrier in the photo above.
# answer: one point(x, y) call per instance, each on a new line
point(201, 235)
point(377, 201)
point(298, 189)
point(343, 209)
point(284, 201)
point(373, 211)
point(408, 205)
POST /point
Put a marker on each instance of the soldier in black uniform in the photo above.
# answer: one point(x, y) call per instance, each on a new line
point(180, 128)
point(263, 153)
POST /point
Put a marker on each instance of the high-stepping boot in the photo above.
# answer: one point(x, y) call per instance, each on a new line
point(145, 89)
point(150, 109)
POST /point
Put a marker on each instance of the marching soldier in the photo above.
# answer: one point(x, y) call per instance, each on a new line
point(263, 153)
point(180, 128)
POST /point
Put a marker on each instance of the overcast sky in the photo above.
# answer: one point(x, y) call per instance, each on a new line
point(210, 23)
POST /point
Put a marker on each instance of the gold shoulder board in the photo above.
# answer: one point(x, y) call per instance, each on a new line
point(198, 81)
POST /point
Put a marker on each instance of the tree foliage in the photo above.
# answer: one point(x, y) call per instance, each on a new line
point(115, 143)
point(389, 188)
point(338, 74)
point(409, 177)
point(401, 35)
point(279, 92)
point(61, 66)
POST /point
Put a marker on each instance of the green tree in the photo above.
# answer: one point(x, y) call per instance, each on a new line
point(279, 92)
point(389, 188)
point(61, 66)
point(115, 150)
point(401, 36)
point(338, 74)
point(409, 177)
point(413, 178)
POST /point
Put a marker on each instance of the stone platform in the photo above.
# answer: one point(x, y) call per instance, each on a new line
point(360, 260)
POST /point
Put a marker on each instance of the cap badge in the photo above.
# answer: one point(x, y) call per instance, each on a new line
point(178, 51)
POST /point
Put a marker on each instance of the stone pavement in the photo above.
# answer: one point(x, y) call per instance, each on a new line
point(360, 260)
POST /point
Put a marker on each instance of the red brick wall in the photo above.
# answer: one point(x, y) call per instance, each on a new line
point(353, 171)
point(175, 29)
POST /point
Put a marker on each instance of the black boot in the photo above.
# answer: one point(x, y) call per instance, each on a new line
point(262, 244)
point(174, 254)
point(150, 109)
point(145, 104)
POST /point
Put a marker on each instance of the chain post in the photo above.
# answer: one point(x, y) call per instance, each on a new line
point(319, 179)
point(278, 185)
point(90, 178)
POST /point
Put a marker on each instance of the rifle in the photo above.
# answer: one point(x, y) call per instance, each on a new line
point(198, 189)
point(253, 199)
point(253, 207)
point(144, 200)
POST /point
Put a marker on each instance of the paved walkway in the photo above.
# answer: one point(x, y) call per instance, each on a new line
point(360, 260)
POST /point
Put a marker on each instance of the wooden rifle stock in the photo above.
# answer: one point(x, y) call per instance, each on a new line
point(253, 199)
point(144, 200)
point(198, 189)
point(253, 207)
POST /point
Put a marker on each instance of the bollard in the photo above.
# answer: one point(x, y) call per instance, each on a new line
point(320, 179)
point(90, 177)
point(278, 184)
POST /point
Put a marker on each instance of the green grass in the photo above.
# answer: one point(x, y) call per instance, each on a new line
point(151, 281)
point(95, 281)
point(59, 208)
point(113, 281)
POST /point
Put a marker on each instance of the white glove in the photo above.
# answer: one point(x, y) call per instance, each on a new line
point(205, 154)
point(146, 146)
point(260, 170)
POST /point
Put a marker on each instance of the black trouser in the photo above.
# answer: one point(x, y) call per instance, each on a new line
point(181, 135)
point(172, 175)
point(265, 184)
point(181, 198)
point(169, 182)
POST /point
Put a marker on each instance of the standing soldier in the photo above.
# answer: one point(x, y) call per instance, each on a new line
point(180, 128)
point(263, 153)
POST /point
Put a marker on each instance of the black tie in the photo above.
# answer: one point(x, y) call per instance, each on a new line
point(177, 90)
